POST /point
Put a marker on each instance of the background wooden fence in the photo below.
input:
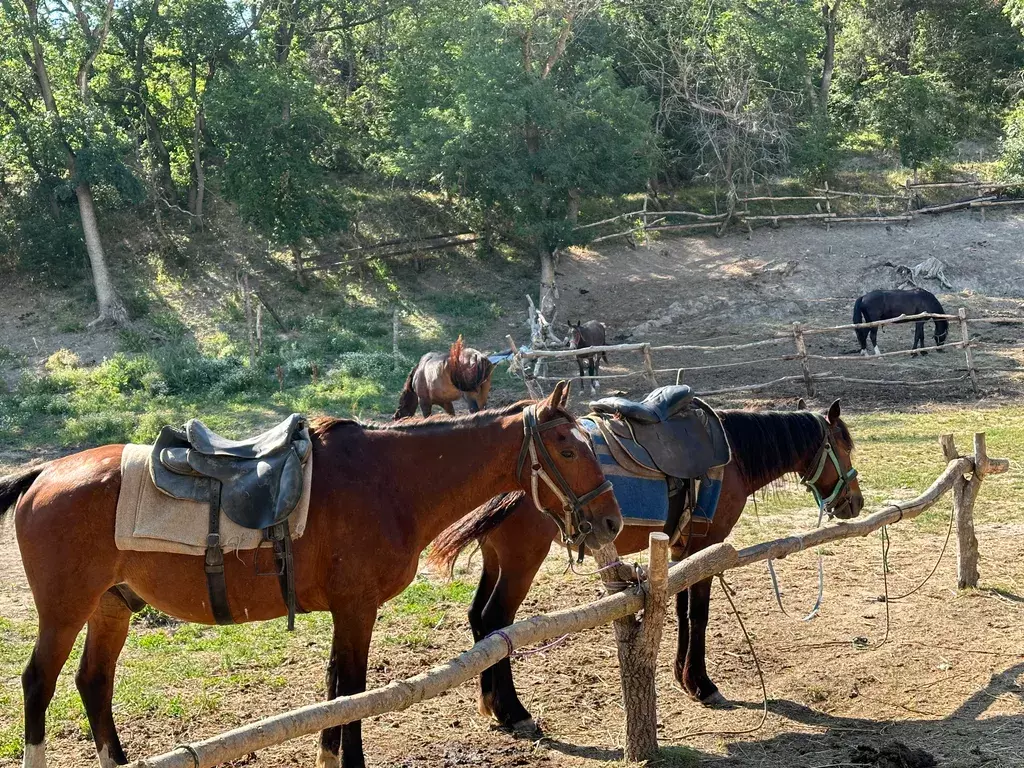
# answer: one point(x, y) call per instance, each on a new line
point(637, 649)
point(532, 364)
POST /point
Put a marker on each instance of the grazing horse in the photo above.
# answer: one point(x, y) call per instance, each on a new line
point(515, 538)
point(440, 379)
point(379, 495)
point(588, 334)
point(884, 305)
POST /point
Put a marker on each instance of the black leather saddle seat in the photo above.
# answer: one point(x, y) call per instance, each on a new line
point(660, 405)
point(682, 434)
point(260, 479)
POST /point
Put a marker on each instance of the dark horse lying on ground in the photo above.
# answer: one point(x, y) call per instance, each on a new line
point(885, 305)
point(379, 495)
point(515, 538)
point(440, 379)
point(588, 334)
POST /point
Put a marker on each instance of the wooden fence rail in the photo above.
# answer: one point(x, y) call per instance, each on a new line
point(963, 474)
point(797, 337)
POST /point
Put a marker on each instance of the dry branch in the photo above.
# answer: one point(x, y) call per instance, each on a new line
point(765, 385)
point(898, 382)
point(784, 216)
point(880, 323)
point(870, 219)
point(893, 196)
point(870, 358)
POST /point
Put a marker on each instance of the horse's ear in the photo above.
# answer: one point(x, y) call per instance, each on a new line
point(801, 405)
point(565, 394)
point(555, 399)
point(833, 413)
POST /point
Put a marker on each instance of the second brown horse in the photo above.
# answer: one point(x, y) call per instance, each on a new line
point(515, 538)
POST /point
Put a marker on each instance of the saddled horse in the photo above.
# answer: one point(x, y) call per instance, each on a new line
point(588, 334)
point(441, 379)
point(885, 305)
point(379, 495)
point(515, 538)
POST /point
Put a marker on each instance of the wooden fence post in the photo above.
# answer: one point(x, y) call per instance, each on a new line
point(652, 380)
point(965, 335)
point(801, 350)
point(964, 493)
point(531, 386)
point(396, 326)
point(250, 323)
point(638, 641)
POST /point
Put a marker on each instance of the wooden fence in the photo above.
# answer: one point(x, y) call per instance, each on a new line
point(804, 363)
point(830, 206)
point(637, 641)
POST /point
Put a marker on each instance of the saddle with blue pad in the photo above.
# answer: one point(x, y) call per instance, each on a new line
point(256, 483)
point(669, 443)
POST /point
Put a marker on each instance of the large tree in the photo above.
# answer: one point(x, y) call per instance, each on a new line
point(495, 103)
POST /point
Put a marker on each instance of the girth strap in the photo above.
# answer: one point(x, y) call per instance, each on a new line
point(215, 583)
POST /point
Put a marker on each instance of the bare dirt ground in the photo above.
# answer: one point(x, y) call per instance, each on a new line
point(949, 678)
point(740, 288)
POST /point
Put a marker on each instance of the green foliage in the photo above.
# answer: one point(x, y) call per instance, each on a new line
point(1013, 143)
point(912, 113)
point(272, 164)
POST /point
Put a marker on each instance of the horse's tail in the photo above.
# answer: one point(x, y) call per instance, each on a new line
point(467, 376)
point(12, 486)
point(860, 316)
point(407, 401)
point(475, 526)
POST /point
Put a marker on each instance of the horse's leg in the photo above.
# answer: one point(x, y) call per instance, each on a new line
point(874, 340)
point(346, 675)
point(108, 629)
point(488, 578)
point(425, 406)
point(695, 674)
point(57, 633)
point(448, 408)
point(594, 384)
point(683, 643)
point(919, 338)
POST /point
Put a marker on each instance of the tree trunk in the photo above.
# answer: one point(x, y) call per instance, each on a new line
point(200, 175)
point(830, 12)
point(548, 286)
point(110, 306)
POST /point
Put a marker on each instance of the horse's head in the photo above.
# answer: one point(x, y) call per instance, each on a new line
point(941, 331)
point(567, 482)
point(830, 475)
point(575, 339)
point(470, 372)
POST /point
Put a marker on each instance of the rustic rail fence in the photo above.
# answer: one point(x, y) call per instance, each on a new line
point(637, 638)
point(804, 371)
point(830, 206)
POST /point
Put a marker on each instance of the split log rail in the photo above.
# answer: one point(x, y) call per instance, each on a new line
point(638, 638)
point(797, 337)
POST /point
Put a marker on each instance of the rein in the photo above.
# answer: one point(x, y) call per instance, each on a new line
point(826, 506)
point(572, 525)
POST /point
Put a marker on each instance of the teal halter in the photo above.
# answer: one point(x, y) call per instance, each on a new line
point(827, 452)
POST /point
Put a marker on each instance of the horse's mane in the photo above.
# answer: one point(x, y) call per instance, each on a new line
point(764, 444)
point(320, 426)
point(467, 367)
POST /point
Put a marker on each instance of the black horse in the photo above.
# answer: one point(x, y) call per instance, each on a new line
point(884, 305)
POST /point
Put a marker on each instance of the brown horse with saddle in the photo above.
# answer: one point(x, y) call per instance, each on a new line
point(371, 511)
point(666, 441)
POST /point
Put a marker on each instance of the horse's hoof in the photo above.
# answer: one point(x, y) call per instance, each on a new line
point(527, 727)
point(716, 701)
point(325, 759)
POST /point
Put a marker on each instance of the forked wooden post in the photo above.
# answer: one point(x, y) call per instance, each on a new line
point(638, 641)
point(531, 386)
point(652, 380)
point(801, 350)
point(965, 492)
point(965, 335)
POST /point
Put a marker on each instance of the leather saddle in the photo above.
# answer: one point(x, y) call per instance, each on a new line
point(260, 479)
point(677, 433)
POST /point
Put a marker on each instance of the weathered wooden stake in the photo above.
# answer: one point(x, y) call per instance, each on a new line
point(396, 326)
point(259, 328)
point(638, 641)
point(250, 323)
point(652, 380)
point(801, 350)
point(965, 335)
point(531, 385)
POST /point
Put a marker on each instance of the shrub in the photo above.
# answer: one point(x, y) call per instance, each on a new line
point(62, 359)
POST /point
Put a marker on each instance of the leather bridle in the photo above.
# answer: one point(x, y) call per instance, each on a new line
point(571, 523)
point(840, 495)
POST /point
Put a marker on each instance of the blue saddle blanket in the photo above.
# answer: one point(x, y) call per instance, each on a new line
point(644, 500)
